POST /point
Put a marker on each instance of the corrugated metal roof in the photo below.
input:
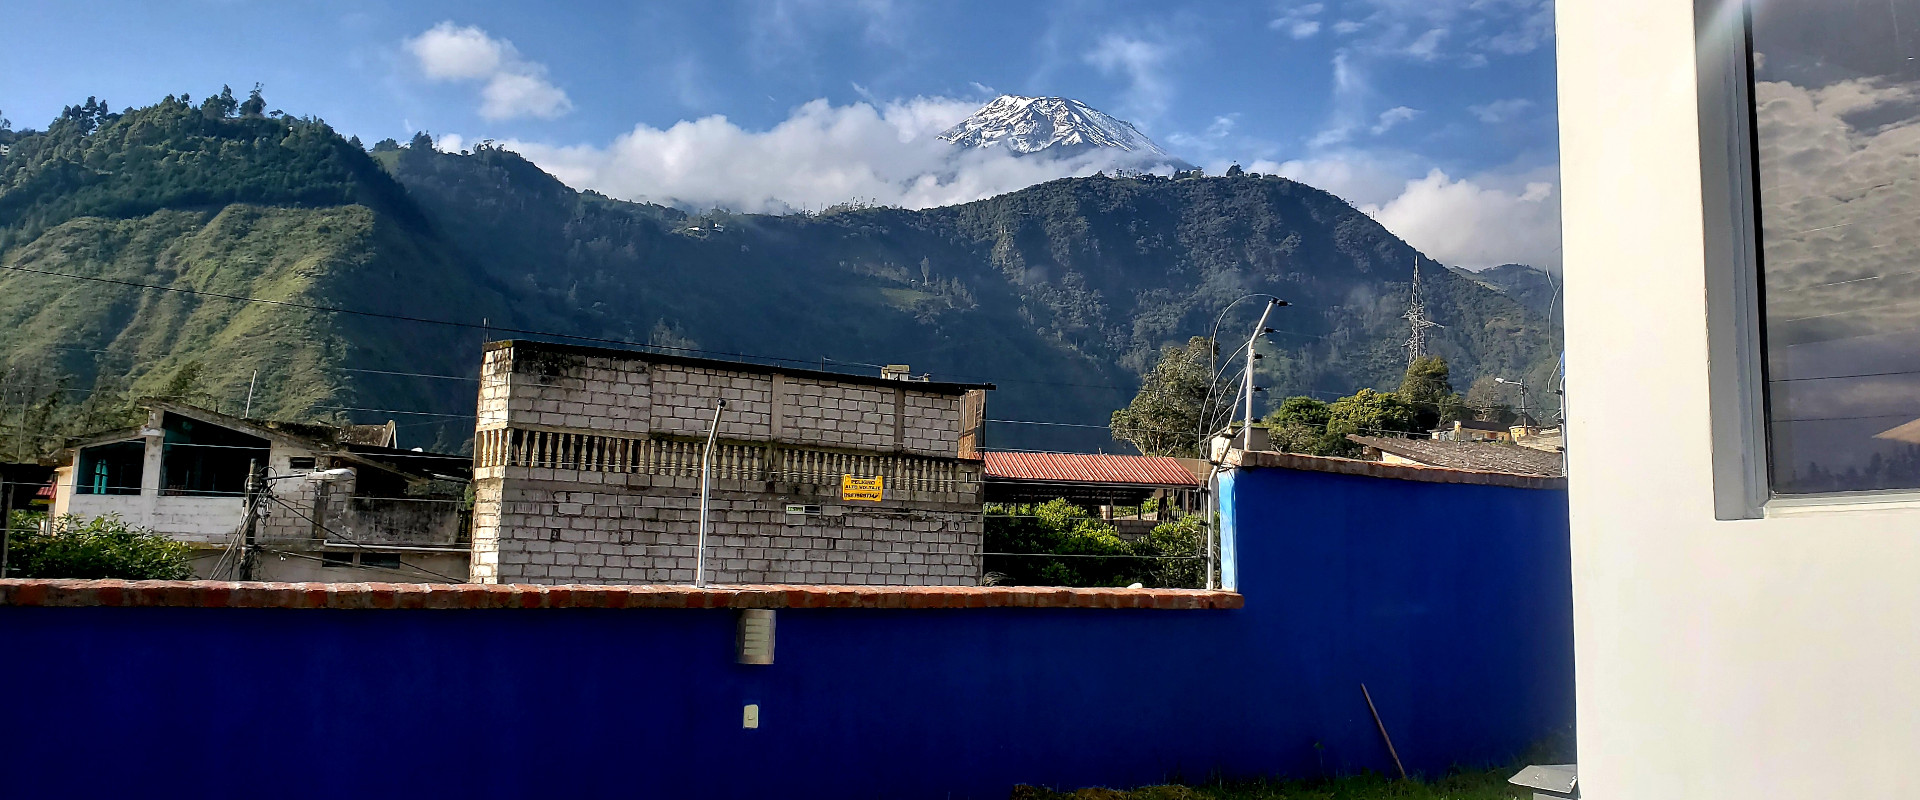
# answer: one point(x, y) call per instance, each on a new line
point(1083, 468)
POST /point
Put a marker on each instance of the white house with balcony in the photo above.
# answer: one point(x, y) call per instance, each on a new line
point(335, 503)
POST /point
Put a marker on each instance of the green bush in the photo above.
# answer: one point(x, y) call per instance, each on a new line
point(1059, 544)
point(102, 547)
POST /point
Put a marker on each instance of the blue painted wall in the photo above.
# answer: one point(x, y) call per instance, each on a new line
point(1451, 602)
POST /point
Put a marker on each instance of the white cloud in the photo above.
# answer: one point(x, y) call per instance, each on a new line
point(1427, 47)
point(820, 155)
point(510, 95)
point(515, 87)
point(1351, 92)
point(1837, 195)
point(1467, 32)
point(450, 53)
point(1298, 21)
point(1498, 217)
point(1500, 111)
point(1477, 223)
point(1141, 62)
point(1392, 117)
point(449, 143)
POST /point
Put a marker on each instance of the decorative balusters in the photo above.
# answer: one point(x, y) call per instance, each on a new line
point(513, 447)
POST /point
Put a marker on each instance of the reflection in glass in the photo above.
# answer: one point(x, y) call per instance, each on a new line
point(1836, 98)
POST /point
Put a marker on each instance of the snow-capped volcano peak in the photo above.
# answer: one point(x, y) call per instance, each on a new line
point(1051, 125)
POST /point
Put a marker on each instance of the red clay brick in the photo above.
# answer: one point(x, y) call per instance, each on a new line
point(222, 594)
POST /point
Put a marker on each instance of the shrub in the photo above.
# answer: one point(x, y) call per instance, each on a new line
point(1059, 544)
point(102, 547)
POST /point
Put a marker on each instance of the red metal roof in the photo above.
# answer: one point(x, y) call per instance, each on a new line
point(1082, 468)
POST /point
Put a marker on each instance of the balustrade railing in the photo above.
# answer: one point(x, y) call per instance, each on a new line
point(731, 461)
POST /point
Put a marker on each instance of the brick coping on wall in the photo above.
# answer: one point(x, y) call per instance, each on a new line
point(235, 594)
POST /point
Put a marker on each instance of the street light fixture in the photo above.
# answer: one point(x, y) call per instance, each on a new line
point(1522, 386)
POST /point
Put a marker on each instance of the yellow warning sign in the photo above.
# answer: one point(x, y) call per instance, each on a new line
point(863, 489)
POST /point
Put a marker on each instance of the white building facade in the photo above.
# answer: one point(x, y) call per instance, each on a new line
point(1740, 254)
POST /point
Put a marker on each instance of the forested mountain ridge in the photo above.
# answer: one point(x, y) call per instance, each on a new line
point(1059, 293)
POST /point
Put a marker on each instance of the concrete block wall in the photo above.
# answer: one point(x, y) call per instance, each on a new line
point(579, 526)
point(484, 564)
point(606, 394)
point(683, 399)
point(572, 392)
point(289, 519)
point(586, 472)
point(840, 415)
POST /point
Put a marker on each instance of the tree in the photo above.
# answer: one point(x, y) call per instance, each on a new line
point(220, 106)
point(1164, 419)
point(1299, 425)
point(185, 382)
point(1487, 399)
point(103, 547)
point(386, 145)
point(1235, 171)
point(1371, 413)
point(255, 104)
point(1428, 386)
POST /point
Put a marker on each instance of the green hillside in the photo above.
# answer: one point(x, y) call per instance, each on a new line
point(1059, 293)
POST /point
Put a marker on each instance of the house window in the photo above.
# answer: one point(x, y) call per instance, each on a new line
point(110, 468)
point(1836, 140)
point(380, 560)
point(203, 459)
point(301, 463)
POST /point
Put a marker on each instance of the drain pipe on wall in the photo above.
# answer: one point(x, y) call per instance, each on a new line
point(706, 478)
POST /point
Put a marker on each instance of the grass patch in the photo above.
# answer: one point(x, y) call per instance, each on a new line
point(1461, 784)
point(1465, 785)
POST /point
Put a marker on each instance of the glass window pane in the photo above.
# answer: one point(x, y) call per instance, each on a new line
point(1837, 132)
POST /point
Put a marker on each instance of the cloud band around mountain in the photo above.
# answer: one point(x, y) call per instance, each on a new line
point(887, 153)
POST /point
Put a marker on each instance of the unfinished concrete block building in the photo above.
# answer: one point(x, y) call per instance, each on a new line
point(587, 468)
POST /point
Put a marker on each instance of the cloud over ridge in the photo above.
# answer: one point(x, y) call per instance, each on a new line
point(514, 86)
point(888, 153)
point(820, 155)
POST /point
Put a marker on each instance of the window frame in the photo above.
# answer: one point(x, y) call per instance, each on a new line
point(1736, 324)
point(1737, 370)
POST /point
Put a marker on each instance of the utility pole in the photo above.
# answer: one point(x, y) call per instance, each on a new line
point(1417, 321)
point(1522, 386)
point(248, 414)
point(255, 486)
point(706, 473)
point(1246, 442)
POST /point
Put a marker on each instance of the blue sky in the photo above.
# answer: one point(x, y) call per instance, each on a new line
point(1437, 116)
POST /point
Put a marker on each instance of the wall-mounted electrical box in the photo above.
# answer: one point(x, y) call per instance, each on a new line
point(798, 514)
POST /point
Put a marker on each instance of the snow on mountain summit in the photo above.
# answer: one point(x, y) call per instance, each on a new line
point(1052, 126)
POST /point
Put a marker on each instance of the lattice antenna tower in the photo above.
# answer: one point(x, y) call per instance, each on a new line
point(1417, 322)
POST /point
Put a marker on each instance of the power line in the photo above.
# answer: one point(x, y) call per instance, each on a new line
point(350, 540)
point(387, 570)
point(648, 346)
